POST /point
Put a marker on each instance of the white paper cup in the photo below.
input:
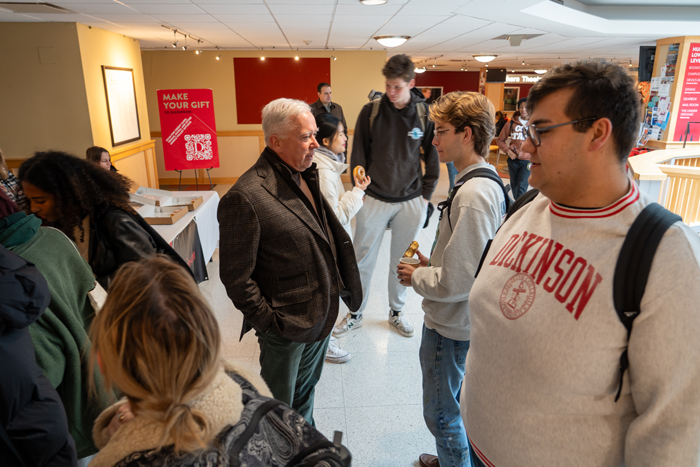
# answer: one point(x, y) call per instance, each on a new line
point(415, 262)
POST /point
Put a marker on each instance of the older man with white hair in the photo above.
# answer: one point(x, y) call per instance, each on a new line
point(285, 257)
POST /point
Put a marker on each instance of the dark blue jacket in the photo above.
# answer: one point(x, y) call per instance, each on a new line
point(32, 417)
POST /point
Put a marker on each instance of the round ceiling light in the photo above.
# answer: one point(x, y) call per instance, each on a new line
point(484, 58)
point(373, 2)
point(391, 40)
point(419, 70)
point(540, 72)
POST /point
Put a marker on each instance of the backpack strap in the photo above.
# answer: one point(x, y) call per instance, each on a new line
point(375, 111)
point(481, 172)
point(422, 114)
point(521, 201)
point(633, 266)
point(524, 199)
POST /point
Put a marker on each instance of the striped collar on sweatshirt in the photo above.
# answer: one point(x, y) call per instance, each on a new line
point(597, 213)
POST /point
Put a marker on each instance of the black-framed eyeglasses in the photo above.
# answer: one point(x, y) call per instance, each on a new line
point(532, 132)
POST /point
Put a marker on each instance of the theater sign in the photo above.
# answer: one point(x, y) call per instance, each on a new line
point(523, 79)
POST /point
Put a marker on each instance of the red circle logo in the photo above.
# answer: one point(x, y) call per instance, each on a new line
point(517, 296)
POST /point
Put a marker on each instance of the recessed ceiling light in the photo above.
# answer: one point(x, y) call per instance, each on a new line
point(373, 2)
point(484, 58)
point(391, 40)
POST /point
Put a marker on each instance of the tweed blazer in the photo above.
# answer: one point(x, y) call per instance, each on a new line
point(276, 261)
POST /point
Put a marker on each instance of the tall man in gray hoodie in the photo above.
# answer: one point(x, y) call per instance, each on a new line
point(389, 136)
point(464, 124)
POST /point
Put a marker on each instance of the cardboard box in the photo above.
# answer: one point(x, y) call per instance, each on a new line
point(155, 197)
point(192, 202)
point(152, 196)
point(163, 215)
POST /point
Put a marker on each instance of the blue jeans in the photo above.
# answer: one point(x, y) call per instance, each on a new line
point(442, 362)
point(451, 173)
point(476, 462)
point(519, 176)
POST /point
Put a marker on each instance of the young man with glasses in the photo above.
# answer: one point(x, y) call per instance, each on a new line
point(544, 365)
point(389, 137)
point(465, 125)
point(518, 159)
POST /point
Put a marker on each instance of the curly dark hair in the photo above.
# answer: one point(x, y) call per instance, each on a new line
point(80, 188)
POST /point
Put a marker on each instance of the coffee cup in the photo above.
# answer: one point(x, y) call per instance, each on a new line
point(415, 262)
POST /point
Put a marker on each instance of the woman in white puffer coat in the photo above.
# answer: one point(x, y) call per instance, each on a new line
point(330, 162)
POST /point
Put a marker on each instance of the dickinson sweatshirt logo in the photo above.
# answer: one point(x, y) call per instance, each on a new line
point(569, 277)
point(415, 133)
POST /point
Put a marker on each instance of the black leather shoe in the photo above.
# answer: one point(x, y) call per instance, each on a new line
point(428, 460)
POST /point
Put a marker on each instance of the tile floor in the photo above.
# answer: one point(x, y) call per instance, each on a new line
point(375, 398)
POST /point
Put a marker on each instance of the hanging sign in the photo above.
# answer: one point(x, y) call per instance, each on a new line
point(188, 128)
point(689, 106)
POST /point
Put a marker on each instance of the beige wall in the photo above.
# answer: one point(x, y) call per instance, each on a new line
point(353, 75)
point(99, 47)
point(44, 105)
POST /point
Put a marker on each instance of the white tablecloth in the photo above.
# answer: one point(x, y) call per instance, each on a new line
point(204, 216)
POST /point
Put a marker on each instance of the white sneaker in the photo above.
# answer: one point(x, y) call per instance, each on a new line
point(401, 323)
point(346, 325)
point(335, 354)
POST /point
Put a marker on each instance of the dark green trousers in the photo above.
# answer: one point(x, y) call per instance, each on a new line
point(291, 370)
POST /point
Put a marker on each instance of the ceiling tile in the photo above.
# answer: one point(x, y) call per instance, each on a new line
point(233, 9)
point(363, 10)
point(168, 9)
point(128, 18)
point(246, 19)
point(203, 19)
point(96, 8)
point(302, 19)
point(302, 9)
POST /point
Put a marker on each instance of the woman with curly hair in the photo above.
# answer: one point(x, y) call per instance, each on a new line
point(91, 206)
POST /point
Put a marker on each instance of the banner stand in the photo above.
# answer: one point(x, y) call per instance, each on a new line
point(196, 181)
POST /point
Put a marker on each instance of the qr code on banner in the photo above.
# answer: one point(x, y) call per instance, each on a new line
point(198, 147)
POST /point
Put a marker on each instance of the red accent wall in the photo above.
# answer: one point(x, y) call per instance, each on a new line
point(261, 81)
point(449, 80)
point(524, 88)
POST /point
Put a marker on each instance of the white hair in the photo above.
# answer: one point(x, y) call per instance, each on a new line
point(277, 116)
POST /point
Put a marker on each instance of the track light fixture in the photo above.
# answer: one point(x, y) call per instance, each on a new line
point(262, 59)
point(218, 57)
point(296, 57)
point(175, 39)
point(333, 57)
point(198, 52)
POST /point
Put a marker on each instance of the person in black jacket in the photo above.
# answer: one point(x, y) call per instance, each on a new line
point(34, 428)
point(91, 206)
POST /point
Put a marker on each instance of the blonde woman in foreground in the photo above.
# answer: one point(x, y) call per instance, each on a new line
point(157, 340)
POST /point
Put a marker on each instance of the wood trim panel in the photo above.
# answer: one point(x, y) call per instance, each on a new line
point(130, 151)
point(205, 181)
point(220, 134)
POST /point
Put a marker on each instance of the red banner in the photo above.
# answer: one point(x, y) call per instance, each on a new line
point(689, 108)
point(188, 128)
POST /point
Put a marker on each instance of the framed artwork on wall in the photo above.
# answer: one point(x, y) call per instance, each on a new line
point(121, 105)
point(510, 98)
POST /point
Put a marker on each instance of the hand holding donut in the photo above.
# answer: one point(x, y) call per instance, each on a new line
point(361, 180)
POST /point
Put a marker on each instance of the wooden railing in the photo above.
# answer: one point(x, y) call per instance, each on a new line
point(672, 178)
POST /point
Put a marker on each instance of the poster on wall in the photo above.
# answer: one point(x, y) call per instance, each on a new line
point(122, 111)
point(431, 93)
point(188, 129)
point(510, 98)
point(688, 116)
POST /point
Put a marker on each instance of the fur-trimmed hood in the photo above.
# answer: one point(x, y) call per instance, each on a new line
point(221, 403)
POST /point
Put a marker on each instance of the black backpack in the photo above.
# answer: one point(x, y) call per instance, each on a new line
point(633, 263)
point(269, 433)
point(476, 173)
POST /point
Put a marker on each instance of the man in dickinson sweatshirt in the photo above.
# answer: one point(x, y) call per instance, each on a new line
point(464, 127)
point(543, 369)
point(388, 141)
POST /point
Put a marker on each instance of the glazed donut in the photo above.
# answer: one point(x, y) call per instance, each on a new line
point(359, 173)
point(411, 250)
